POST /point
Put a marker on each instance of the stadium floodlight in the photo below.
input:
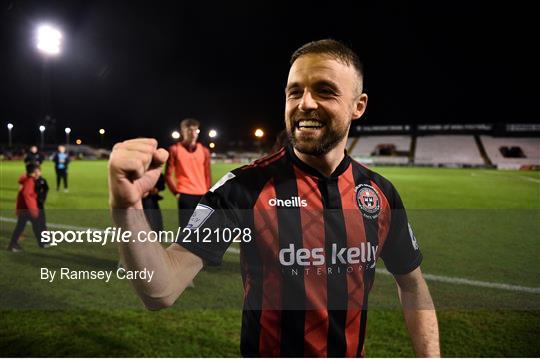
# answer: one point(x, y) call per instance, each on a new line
point(212, 133)
point(42, 135)
point(67, 130)
point(101, 136)
point(9, 127)
point(78, 141)
point(49, 40)
point(259, 133)
point(175, 135)
point(212, 145)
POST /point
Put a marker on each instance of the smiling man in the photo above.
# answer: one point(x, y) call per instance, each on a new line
point(323, 93)
point(312, 222)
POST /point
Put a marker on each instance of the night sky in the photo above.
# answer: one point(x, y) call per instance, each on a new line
point(137, 69)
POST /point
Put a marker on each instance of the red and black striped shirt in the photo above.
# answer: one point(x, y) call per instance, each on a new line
point(310, 264)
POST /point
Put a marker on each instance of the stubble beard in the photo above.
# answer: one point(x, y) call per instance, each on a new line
point(317, 146)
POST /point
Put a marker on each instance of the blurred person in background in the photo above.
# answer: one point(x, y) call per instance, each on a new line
point(187, 172)
point(42, 189)
point(27, 208)
point(34, 156)
point(61, 162)
point(150, 205)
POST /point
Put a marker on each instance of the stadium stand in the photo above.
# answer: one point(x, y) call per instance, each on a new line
point(512, 152)
point(380, 149)
point(451, 150)
point(88, 152)
point(351, 142)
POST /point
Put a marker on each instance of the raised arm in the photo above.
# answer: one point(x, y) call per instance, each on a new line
point(134, 168)
point(419, 313)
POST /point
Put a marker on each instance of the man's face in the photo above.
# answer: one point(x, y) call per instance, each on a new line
point(61, 149)
point(190, 133)
point(322, 97)
point(33, 149)
point(37, 173)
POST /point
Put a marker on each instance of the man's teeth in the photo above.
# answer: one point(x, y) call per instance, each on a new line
point(309, 123)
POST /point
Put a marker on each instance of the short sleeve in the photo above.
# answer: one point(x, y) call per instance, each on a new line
point(214, 213)
point(401, 253)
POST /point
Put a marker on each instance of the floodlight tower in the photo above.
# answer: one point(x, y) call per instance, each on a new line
point(42, 136)
point(49, 41)
point(9, 127)
point(67, 130)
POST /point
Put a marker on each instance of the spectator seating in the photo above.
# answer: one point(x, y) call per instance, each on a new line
point(452, 150)
point(528, 147)
point(381, 149)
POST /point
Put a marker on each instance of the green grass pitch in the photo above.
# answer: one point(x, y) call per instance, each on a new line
point(477, 225)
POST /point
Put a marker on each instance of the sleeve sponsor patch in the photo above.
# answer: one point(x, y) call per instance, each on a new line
point(200, 215)
point(413, 238)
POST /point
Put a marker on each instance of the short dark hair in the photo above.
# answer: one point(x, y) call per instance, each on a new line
point(31, 167)
point(333, 48)
point(189, 122)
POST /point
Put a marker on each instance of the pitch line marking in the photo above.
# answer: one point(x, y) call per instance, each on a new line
point(503, 175)
point(427, 276)
point(55, 225)
point(473, 283)
point(527, 178)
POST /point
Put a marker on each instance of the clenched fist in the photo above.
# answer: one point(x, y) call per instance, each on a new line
point(134, 168)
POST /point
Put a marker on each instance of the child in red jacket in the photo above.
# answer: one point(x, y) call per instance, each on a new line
point(27, 207)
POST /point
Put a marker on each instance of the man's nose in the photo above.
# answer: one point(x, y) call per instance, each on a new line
point(307, 103)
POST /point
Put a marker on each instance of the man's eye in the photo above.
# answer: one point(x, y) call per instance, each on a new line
point(326, 91)
point(294, 94)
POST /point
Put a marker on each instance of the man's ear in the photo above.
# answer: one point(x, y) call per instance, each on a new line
point(360, 106)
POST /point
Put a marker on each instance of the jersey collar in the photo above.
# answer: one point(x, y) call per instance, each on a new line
point(342, 167)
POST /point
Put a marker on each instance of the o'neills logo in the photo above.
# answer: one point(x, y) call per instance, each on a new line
point(368, 201)
point(316, 256)
point(292, 202)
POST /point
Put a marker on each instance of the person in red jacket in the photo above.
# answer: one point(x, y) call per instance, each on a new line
point(27, 208)
point(188, 170)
